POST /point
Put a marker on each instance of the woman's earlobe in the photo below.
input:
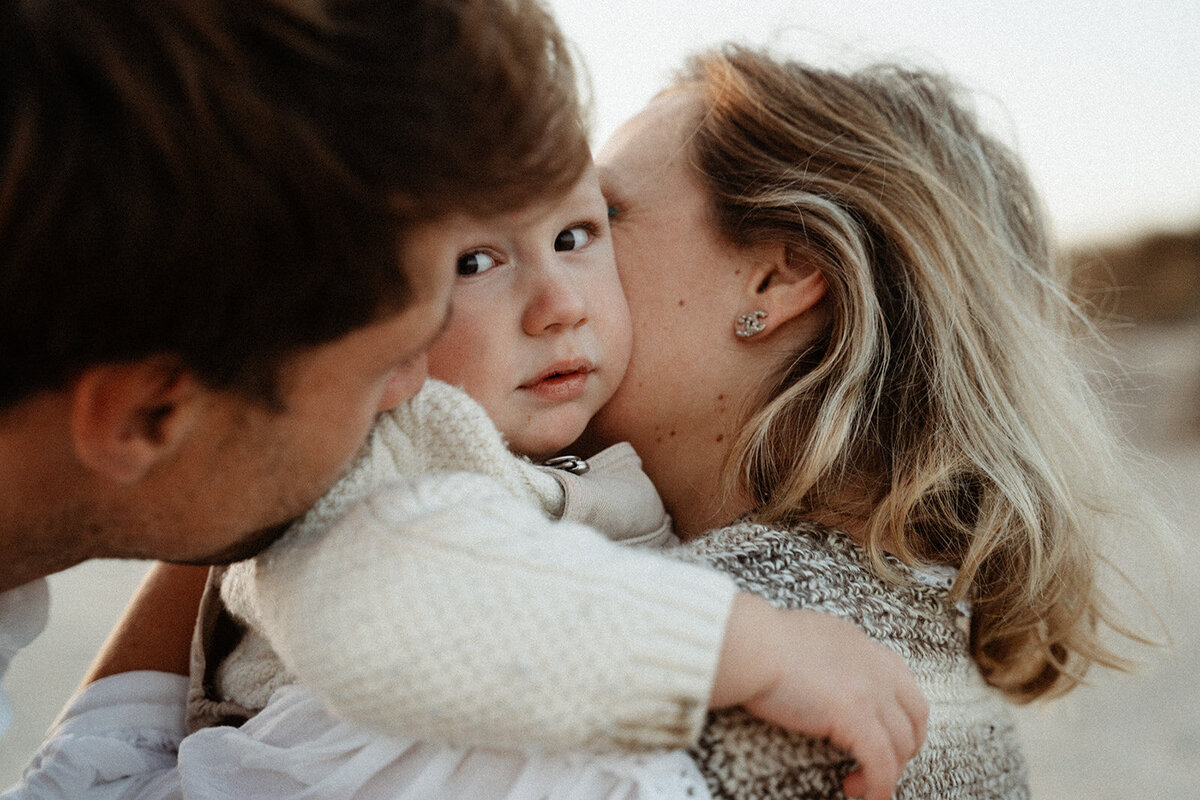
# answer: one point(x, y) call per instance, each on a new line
point(125, 418)
point(780, 289)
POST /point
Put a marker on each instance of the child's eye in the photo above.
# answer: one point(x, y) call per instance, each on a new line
point(572, 239)
point(475, 263)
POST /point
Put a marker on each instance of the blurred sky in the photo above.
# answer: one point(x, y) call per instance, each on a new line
point(1101, 98)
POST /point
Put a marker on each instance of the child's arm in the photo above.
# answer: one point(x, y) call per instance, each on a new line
point(820, 675)
point(449, 609)
point(549, 635)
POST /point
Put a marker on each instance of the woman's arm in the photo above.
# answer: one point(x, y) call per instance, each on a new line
point(155, 632)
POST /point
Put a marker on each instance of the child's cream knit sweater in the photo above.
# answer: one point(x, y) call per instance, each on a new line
point(428, 594)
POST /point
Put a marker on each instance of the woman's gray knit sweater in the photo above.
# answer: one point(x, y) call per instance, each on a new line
point(971, 751)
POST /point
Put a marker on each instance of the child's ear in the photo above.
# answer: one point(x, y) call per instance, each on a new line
point(125, 418)
point(784, 288)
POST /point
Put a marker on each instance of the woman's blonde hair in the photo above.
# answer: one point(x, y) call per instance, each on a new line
point(946, 403)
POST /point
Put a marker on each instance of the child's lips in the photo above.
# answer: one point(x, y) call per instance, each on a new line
point(560, 383)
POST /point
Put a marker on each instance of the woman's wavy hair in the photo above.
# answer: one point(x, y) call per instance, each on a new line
point(947, 403)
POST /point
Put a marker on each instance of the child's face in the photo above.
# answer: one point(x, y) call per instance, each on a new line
point(540, 333)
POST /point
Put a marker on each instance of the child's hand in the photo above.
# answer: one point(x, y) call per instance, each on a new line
point(821, 676)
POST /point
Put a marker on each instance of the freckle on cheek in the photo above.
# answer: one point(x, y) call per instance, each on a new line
point(681, 304)
point(720, 437)
point(672, 433)
point(720, 397)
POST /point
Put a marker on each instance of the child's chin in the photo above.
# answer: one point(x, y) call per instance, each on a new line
point(560, 442)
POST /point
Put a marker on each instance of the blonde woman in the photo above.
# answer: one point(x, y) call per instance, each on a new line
point(855, 360)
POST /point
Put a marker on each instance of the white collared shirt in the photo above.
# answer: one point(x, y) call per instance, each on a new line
point(122, 738)
point(23, 614)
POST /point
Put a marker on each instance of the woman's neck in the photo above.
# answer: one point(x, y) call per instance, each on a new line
point(690, 481)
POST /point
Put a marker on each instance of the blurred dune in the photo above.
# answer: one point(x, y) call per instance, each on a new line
point(1138, 734)
point(1148, 287)
point(1153, 279)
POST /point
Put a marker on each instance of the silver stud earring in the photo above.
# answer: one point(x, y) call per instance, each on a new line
point(750, 324)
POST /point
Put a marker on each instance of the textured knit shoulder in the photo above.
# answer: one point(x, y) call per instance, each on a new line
point(448, 605)
point(972, 749)
point(439, 430)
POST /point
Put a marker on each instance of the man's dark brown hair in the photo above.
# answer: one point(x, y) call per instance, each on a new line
point(229, 181)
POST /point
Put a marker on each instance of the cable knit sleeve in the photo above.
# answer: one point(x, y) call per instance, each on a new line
point(441, 429)
point(447, 608)
point(430, 594)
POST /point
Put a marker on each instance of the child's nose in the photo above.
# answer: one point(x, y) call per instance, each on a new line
point(556, 301)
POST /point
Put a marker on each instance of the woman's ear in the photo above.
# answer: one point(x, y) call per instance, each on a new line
point(125, 418)
point(779, 289)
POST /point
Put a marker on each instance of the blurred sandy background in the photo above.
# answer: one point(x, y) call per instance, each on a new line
point(1123, 736)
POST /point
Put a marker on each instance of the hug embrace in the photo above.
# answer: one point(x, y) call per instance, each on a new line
point(838, 474)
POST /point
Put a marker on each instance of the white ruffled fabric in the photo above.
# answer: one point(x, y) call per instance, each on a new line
point(116, 740)
point(121, 738)
point(294, 750)
point(23, 614)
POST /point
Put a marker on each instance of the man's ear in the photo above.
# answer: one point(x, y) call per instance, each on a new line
point(782, 287)
point(125, 418)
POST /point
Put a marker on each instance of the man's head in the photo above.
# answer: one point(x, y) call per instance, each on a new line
point(203, 206)
point(227, 182)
